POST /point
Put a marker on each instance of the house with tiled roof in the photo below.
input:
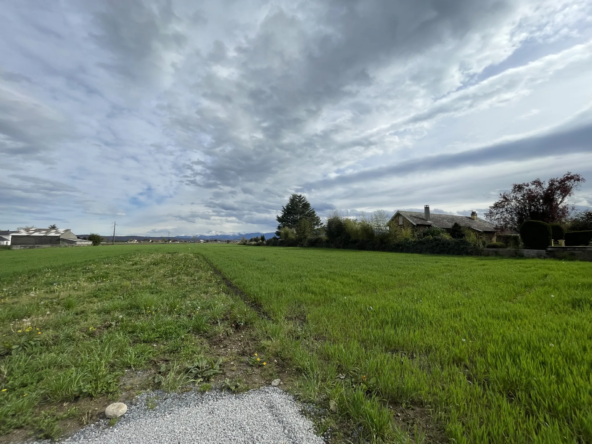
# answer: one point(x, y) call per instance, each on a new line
point(420, 221)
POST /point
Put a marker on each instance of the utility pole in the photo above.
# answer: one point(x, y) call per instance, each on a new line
point(113, 240)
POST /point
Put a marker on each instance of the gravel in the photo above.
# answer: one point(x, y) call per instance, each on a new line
point(266, 415)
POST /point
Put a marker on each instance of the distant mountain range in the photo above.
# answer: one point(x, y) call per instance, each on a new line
point(237, 236)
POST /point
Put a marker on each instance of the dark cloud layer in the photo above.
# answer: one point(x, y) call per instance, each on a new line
point(577, 140)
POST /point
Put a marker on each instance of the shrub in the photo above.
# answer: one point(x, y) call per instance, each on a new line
point(536, 234)
point(286, 233)
point(315, 242)
point(336, 230)
point(557, 231)
point(575, 238)
point(432, 232)
point(456, 232)
point(496, 245)
point(435, 245)
point(96, 239)
point(581, 222)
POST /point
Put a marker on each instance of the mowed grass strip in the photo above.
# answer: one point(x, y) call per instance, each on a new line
point(70, 333)
point(499, 349)
point(16, 262)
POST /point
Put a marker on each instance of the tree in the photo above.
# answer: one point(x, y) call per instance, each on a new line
point(303, 230)
point(296, 209)
point(96, 239)
point(262, 238)
point(536, 200)
point(581, 221)
point(53, 227)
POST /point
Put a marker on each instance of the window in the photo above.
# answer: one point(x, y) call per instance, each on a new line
point(400, 220)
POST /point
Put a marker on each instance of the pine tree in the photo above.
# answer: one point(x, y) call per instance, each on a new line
point(297, 208)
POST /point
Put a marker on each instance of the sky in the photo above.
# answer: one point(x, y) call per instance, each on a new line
point(184, 118)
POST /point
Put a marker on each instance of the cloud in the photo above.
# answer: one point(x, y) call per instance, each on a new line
point(182, 116)
point(576, 140)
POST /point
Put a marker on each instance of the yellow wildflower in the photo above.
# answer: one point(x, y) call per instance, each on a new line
point(19, 331)
point(4, 390)
point(265, 363)
point(258, 359)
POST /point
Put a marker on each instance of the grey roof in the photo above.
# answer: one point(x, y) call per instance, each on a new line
point(41, 232)
point(4, 238)
point(445, 221)
point(7, 232)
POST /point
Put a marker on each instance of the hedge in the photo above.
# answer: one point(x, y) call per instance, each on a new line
point(436, 245)
point(576, 238)
point(496, 245)
point(536, 234)
point(558, 231)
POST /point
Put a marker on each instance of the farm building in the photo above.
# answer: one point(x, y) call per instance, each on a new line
point(420, 221)
point(5, 236)
point(44, 237)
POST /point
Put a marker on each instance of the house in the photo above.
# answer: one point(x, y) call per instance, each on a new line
point(45, 237)
point(420, 221)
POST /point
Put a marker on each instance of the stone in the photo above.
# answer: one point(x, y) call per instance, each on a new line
point(332, 406)
point(115, 410)
point(276, 382)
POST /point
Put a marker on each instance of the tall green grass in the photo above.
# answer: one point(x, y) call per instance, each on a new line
point(500, 349)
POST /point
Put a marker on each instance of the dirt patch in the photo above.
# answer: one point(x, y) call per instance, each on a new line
point(419, 423)
point(239, 353)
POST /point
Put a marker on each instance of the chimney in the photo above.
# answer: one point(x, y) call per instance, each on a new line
point(474, 215)
point(426, 212)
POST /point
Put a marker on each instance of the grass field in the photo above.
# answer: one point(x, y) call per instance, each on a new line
point(490, 350)
point(397, 347)
point(80, 327)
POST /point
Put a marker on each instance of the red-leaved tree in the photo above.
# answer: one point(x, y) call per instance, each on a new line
point(536, 200)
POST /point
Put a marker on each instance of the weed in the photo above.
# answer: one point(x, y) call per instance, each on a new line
point(205, 387)
point(203, 369)
point(151, 403)
point(233, 386)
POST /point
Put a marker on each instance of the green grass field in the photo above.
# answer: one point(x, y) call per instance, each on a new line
point(499, 349)
point(77, 324)
point(397, 347)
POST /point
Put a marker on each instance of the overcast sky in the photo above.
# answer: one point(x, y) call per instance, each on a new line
point(203, 117)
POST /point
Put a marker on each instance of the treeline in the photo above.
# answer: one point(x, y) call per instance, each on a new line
point(299, 226)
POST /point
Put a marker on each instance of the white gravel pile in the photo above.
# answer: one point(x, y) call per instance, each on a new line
point(267, 415)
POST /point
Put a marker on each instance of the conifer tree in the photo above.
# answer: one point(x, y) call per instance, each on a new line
point(297, 208)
